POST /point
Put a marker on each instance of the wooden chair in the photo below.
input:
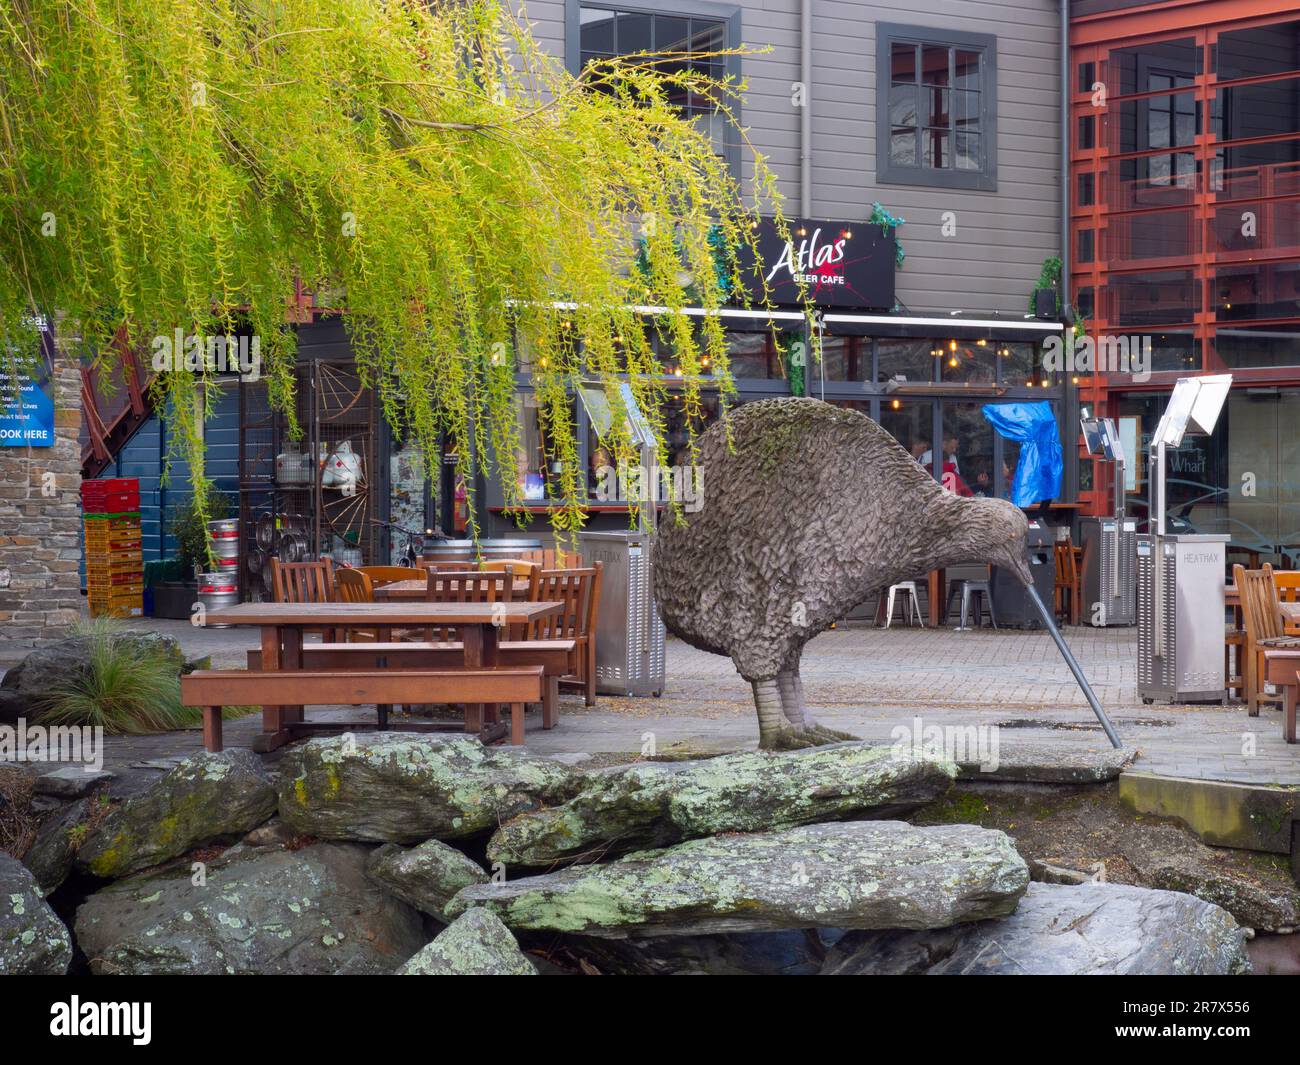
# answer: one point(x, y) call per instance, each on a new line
point(519, 565)
point(1287, 583)
point(579, 591)
point(546, 558)
point(353, 586)
point(381, 575)
point(469, 586)
point(302, 582)
point(1069, 581)
point(1264, 630)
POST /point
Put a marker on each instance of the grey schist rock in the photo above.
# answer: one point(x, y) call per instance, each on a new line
point(1078, 929)
point(654, 804)
point(33, 941)
point(203, 798)
point(408, 787)
point(475, 944)
point(304, 912)
point(427, 876)
point(862, 874)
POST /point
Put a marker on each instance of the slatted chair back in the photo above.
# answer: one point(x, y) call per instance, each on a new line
point(353, 586)
point(381, 575)
point(302, 582)
point(1262, 620)
point(447, 565)
point(1259, 602)
point(470, 586)
point(573, 588)
point(1287, 583)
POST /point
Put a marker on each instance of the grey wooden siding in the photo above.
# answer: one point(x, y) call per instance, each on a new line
point(1002, 236)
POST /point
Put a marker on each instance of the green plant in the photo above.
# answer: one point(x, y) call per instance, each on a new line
point(1048, 277)
point(189, 527)
point(184, 165)
point(126, 688)
point(880, 216)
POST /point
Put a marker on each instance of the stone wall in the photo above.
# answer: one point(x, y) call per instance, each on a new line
point(40, 526)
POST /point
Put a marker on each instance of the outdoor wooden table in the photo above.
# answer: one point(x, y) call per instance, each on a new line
point(282, 626)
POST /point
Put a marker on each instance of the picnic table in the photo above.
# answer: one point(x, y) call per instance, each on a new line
point(282, 624)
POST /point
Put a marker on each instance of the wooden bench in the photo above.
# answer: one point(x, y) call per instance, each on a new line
point(212, 689)
point(554, 656)
point(1282, 668)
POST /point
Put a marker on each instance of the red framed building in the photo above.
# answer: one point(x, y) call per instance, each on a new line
point(1185, 235)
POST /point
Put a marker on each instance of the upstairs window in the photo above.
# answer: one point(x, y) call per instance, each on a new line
point(936, 107)
point(694, 34)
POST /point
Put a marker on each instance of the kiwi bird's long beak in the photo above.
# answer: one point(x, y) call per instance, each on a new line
point(1070, 661)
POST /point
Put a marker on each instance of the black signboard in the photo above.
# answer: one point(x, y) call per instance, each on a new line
point(842, 264)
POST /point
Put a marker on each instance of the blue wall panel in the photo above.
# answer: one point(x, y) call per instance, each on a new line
point(144, 456)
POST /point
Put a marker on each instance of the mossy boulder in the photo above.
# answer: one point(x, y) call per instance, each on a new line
point(427, 876)
point(204, 798)
point(475, 944)
point(1060, 929)
point(304, 912)
point(396, 787)
point(654, 804)
point(860, 874)
point(33, 941)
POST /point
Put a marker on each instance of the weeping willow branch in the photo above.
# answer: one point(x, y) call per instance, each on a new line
point(182, 163)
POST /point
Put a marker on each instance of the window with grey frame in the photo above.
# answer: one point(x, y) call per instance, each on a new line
point(936, 107)
point(693, 32)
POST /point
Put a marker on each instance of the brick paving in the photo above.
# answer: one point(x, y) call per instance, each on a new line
point(868, 681)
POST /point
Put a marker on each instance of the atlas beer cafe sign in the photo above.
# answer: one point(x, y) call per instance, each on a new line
point(840, 264)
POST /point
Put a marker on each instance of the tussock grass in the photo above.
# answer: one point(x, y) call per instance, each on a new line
point(128, 689)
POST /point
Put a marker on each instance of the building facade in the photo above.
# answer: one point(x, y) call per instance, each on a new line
point(946, 115)
point(1185, 228)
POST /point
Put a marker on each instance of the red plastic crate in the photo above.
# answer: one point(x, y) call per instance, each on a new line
point(110, 495)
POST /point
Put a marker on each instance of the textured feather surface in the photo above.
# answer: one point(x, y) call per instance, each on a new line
point(812, 509)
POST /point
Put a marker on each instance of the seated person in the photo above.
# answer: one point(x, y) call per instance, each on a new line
point(532, 486)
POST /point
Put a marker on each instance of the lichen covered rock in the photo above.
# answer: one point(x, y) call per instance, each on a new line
point(862, 874)
point(427, 876)
point(654, 804)
point(33, 941)
point(203, 798)
point(475, 944)
point(1058, 929)
point(408, 787)
point(305, 912)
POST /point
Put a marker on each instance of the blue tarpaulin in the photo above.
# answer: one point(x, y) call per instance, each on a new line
point(1038, 473)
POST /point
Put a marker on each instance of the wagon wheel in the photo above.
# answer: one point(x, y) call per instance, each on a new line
point(338, 391)
point(346, 513)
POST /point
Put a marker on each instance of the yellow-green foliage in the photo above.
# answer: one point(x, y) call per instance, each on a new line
point(174, 163)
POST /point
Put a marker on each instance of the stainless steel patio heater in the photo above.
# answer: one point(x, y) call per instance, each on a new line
point(1181, 577)
point(629, 631)
point(1110, 543)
